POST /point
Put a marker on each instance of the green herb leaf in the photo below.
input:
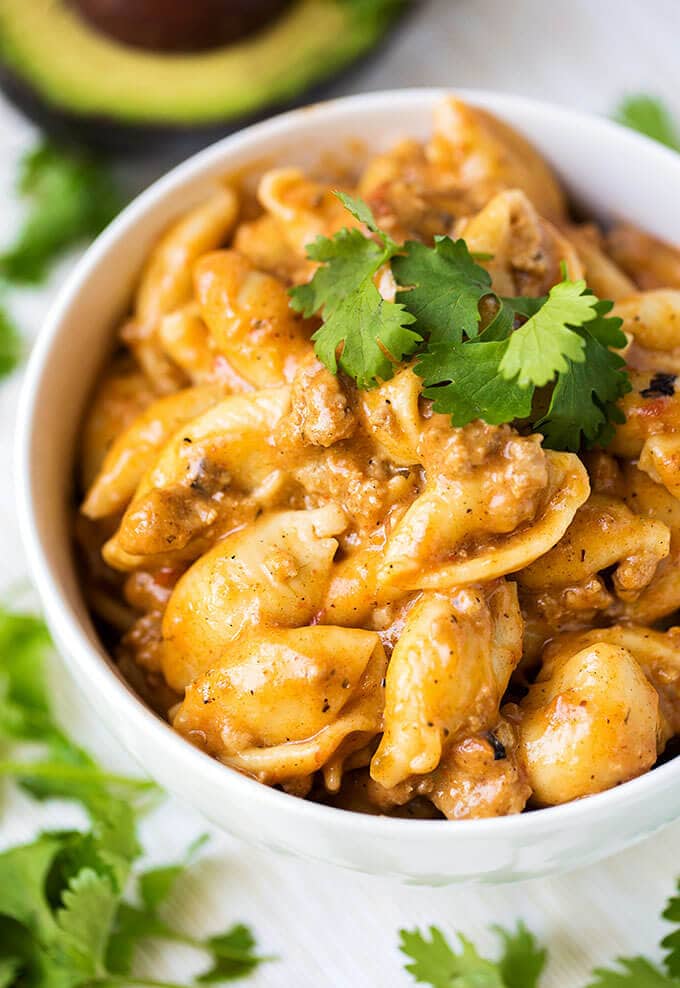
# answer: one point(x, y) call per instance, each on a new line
point(234, 955)
point(156, 884)
point(650, 117)
point(522, 962)
point(63, 922)
point(362, 333)
point(71, 198)
point(9, 968)
point(84, 920)
point(10, 346)
point(435, 963)
point(634, 972)
point(130, 927)
point(671, 941)
point(463, 381)
point(545, 343)
point(447, 288)
point(365, 336)
point(23, 874)
point(350, 259)
point(583, 403)
point(361, 211)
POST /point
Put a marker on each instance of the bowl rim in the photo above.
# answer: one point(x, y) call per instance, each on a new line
point(71, 638)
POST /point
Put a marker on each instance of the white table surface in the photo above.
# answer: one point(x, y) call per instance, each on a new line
point(338, 929)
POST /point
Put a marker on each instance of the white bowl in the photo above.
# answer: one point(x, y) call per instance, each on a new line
point(611, 172)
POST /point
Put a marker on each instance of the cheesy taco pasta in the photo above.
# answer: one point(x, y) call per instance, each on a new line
point(373, 510)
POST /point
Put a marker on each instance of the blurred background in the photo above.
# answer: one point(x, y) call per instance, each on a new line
point(114, 82)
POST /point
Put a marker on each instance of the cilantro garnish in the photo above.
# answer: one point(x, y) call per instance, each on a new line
point(563, 341)
point(546, 342)
point(650, 117)
point(462, 380)
point(368, 332)
point(67, 917)
point(447, 288)
point(71, 197)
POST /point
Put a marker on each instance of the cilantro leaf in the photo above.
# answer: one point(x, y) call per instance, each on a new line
point(672, 940)
point(545, 343)
point(650, 117)
point(361, 211)
point(156, 884)
point(462, 379)
point(135, 923)
point(71, 197)
point(10, 344)
point(9, 968)
point(24, 708)
point(132, 925)
point(23, 874)
point(84, 923)
point(436, 963)
point(350, 259)
point(362, 333)
point(582, 405)
point(634, 972)
point(523, 960)
point(234, 955)
point(371, 333)
point(447, 288)
point(63, 920)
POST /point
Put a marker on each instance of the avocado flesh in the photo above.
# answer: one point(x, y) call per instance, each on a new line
point(73, 67)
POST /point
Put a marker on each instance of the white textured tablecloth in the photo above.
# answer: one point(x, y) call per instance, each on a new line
point(338, 929)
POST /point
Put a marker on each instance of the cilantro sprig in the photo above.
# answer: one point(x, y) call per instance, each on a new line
point(362, 333)
point(70, 196)
point(433, 961)
point(74, 907)
point(564, 342)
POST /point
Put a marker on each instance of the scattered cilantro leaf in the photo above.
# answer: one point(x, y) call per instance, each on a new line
point(71, 197)
point(463, 381)
point(671, 942)
point(132, 925)
point(84, 922)
point(10, 344)
point(447, 288)
point(522, 961)
point(545, 343)
point(156, 884)
point(234, 955)
point(63, 920)
point(435, 963)
point(9, 968)
point(650, 117)
point(634, 972)
point(23, 876)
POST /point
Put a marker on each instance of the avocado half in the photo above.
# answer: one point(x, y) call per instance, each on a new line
point(79, 83)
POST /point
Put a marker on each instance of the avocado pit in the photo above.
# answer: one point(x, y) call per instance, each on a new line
point(176, 25)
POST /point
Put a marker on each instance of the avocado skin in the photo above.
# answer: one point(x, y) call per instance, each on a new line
point(105, 134)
